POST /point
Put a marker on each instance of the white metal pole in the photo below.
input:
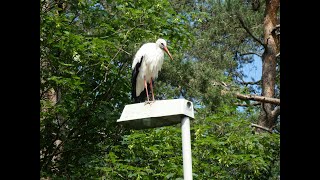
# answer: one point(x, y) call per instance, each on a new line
point(186, 148)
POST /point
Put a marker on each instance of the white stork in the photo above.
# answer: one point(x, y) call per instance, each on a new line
point(146, 65)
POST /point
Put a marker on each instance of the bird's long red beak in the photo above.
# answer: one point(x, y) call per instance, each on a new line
point(167, 51)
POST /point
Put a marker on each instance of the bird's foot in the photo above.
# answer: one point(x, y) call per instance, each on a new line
point(148, 102)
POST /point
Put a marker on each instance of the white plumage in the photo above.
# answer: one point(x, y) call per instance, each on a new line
point(146, 65)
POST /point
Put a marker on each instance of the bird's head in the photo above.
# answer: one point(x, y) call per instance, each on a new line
point(163, 45)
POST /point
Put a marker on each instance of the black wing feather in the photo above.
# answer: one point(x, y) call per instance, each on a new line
point(135, 73)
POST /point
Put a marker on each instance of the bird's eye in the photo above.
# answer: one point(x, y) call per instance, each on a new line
point(162, 44)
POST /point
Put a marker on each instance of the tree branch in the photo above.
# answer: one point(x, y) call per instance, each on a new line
point(258, 98)
point(247, 105)
point(250, 53)
point(261, 127)
point(276, 112)
point(243, 82)
point(248, 30)
point(251, 96)
point(74, 18)
point(251, 83)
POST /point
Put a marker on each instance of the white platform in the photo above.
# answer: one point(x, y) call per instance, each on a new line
point(157, 114)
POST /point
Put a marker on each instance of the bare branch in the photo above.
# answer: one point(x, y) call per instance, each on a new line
point(248, 30)
point(87, 67)
point(124, 51)
point(251, 82)
point(258, 98)
point(276, 112)
point(105, 79)
point(74, 18)
point(115, 55)
point(247, 105)
point(253, 97)
point(261, 127)
point(223, 83)
point(251, 53)
point(243, 82)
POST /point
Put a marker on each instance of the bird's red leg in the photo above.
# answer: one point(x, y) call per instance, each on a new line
point(145, 85)
point(151, 89)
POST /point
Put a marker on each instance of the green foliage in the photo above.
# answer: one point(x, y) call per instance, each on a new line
point(216, 55)
point(86, 52)
point(227, 148)
point(146, 154)
point(223, 147)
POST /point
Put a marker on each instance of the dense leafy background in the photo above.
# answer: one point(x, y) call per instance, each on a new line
point(86, 51)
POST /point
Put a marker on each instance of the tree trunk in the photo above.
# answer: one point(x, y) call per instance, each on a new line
point(267, 116)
